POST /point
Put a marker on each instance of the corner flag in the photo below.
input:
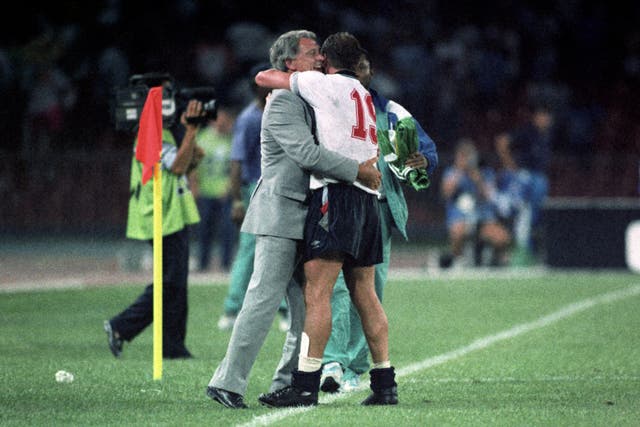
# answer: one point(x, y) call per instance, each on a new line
point(148, 152)
point(150, 133)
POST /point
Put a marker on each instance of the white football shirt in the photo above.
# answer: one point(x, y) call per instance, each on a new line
point(345, 116)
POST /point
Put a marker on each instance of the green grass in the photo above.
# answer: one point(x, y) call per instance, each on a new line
point(581, 370)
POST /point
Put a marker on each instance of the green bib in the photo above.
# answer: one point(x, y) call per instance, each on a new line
point(179, 208)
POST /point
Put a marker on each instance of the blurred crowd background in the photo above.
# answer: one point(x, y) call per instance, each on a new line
point(464, 69)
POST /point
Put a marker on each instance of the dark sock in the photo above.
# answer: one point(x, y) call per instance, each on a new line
point(306, 381)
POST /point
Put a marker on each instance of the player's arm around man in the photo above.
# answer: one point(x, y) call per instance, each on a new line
point(276, 215)
point(331, 248)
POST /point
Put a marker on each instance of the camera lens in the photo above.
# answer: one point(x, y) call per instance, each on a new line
point(209, 106)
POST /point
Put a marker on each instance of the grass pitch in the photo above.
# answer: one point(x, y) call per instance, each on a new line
point(556, 349)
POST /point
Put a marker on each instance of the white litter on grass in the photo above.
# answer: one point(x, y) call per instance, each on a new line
point(64, 377)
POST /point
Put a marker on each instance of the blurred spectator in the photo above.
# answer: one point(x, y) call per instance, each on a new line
point(471, 216)
point(249, 41)
point(494, 67)
point(211, 62)
point(210, 185)
point(51, 96)
point(527, 151)
point(512, 207)
point(581, 124)
point(414, 65)
point(112, 70)
point(49, 91)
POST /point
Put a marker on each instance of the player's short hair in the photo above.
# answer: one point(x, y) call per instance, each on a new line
point(343, 51)
point(287, 47)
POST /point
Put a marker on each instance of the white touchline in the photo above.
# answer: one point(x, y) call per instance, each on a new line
point(478, 344)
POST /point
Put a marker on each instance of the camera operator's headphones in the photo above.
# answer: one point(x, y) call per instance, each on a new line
point(167, 82)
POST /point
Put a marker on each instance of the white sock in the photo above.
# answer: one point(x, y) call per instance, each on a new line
point(382, 365)
point(309, 364)
point(306, 363)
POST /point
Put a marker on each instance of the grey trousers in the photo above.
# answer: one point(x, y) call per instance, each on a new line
point(276, 261)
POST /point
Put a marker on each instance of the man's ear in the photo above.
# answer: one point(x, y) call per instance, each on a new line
point(288, 63)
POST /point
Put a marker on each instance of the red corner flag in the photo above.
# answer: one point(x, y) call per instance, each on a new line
point(150, 133)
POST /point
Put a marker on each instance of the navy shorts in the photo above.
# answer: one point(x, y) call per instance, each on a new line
point(344, 221)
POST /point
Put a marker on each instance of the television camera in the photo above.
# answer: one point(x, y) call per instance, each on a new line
point(130, 100)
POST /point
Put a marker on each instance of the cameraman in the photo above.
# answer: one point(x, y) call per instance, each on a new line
point(179, 211)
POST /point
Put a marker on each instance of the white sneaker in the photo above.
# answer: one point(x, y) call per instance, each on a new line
point(350, 384)
point(331, 378)
point(226, 322)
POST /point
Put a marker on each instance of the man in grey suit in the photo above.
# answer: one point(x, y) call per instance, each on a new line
point(276, 215)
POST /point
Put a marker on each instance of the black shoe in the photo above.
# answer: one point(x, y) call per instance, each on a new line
point(386, 396)
point(226, 398)
point(446, 260)
point(287, 397)
point(330, 385)
point(115, 342)
point(182, 354)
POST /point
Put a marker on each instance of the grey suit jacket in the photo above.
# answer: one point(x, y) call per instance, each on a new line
point(289, 154)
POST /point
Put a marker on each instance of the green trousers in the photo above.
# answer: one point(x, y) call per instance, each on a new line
point(347, 344)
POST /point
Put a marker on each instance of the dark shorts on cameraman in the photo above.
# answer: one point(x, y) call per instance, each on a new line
point(348, 223)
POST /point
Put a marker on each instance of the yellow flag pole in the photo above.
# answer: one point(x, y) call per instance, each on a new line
point(157, 272)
